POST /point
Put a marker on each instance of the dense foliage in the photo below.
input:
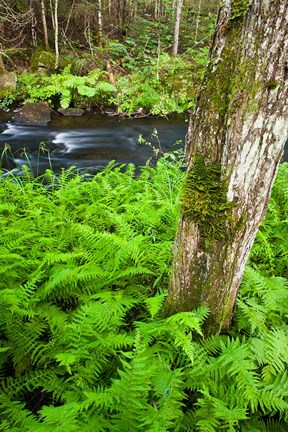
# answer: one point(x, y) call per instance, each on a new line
point(85, 266)
point(114, 54)
point(161, 88)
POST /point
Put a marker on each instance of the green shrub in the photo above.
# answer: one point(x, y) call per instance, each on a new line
point(158, 86)
point(65, 86)
point(161, 89)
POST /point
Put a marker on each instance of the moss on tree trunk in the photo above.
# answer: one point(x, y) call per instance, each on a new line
point(236, 137)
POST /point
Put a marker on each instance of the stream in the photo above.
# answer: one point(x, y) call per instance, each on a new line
point(88, 142)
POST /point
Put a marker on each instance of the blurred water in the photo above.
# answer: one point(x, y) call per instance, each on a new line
point(91, 140)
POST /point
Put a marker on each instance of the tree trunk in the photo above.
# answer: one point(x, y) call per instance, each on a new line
point(2, 67)
point(56, 31)
point(33, 25)
point(235, 143)
point(179, 5)
point(100, 24)
point(44, 23)
point(197, 22)
point(69, 18)
point(52, 14)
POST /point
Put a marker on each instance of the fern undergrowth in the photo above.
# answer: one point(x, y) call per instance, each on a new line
point(85, 265)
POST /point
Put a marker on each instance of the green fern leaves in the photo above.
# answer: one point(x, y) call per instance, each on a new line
point(66, 86)
point(85, 266)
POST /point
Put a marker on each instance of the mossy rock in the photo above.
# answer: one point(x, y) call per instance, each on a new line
point(71, 112)
point(43, 60)
point(33, 114)
point(8, 81)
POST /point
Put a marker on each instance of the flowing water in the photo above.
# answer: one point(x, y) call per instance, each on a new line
point(91, 140)
point(88, 142)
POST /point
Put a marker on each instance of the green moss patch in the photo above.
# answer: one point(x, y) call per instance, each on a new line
point(239, 8)
point(232, 86)
point(43, 59)
point(204, 200)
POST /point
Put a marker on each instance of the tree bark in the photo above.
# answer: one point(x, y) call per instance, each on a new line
point(100, 24)
point(33, 25)
point(56, 34)
point(2, 67)
point(52, 14)
point(235, 143)
point(69, 17)
point(197, 22)
point(175, 45)
point(44, 23)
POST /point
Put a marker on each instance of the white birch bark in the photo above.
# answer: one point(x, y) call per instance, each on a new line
point(100, 23)
point(56, 30)
point(197, 21)
point(175, 45)
point(44, 23)
point(33, 25)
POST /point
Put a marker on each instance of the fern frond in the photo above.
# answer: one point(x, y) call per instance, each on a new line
point(190, 320)
point(105, 87)
point(15, 417)
point(154, 304)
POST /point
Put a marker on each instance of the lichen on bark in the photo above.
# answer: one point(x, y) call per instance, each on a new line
point(229, 81)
